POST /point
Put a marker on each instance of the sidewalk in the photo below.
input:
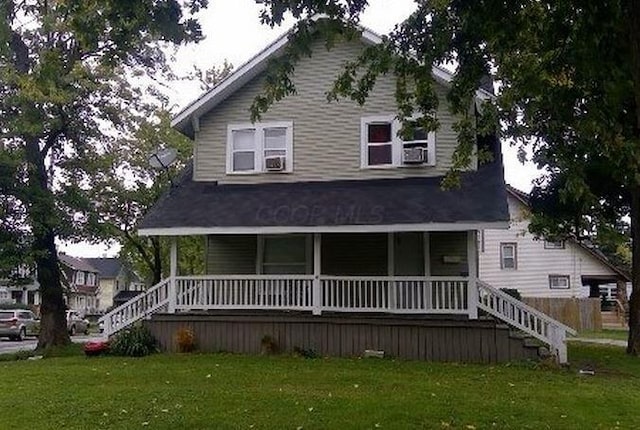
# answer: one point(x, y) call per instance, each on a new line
point(613, 342)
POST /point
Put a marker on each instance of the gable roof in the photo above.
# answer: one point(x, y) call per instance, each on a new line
point(76, 263)
point(108, 267)
point(588, 247)
point(187, 120)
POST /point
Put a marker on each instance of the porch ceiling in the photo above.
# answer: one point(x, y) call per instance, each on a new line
point(355, 205)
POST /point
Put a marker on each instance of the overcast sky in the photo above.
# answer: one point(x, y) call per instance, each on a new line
point(234, 33)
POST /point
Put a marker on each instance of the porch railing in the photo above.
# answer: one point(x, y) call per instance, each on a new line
point(153, 300)
point(292, 292)
point(395, 294)
point(523, 317)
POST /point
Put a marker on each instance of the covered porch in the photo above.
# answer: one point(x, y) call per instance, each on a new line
point(393, 272)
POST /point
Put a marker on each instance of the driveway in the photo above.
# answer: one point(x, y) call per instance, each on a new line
point(8, 346)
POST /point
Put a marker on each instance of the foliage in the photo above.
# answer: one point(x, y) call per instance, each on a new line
point(126, 188)
point(185, 339)
point(268, 345)
point(568, 75)
point(175, 391)
point(135, 341)
point(62, 98)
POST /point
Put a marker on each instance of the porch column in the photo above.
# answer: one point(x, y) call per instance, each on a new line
point(472, 264)
point(173, 271)
point(317, 293)
point(391, 271)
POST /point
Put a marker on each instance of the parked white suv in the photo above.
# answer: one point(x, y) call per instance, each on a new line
point(16, 324)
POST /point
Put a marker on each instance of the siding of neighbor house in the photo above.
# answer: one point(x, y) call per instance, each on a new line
point(534, 262)
point(107, 291)
point(326, 136)
point(349, 254)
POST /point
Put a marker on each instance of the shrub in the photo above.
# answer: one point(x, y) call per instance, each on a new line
point(136, 341)
point(5, 305)
point(185, 339)
point(268, 345)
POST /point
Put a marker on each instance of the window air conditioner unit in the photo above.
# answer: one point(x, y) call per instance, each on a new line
point(275, 163)
point(415, 155)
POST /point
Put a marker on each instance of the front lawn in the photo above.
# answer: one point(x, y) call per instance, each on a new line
point(222, 391)
point(605, 334)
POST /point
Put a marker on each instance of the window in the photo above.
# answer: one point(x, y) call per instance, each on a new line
point(554, 245)
point(559, 282)
point(249, 146)
point(382, 147)
point(285, 254)
point(508, 256)
point(80, 278)
point(91, 279)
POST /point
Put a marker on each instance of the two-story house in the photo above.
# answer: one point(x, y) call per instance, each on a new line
point(116, 281)
point(326, 231)
point(82, 281)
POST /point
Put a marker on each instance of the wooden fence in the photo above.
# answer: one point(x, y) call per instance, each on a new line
point(580, 314)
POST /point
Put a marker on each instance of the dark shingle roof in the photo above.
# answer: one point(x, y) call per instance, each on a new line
point(108, 267)
point(481, 198)
point(76, 263)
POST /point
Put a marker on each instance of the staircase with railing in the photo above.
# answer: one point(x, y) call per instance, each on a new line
point(525, 318)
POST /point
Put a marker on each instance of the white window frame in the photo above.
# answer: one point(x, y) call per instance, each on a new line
point(397, 144)
point(554, 245)
point(258, 162)
point(80, 278)
point(513, 245)
point(91, 279)
point(558, 277)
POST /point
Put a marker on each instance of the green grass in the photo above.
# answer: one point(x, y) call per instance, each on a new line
point(223, 391)
point(605, 334)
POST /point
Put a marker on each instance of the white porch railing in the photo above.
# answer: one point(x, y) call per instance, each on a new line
point(433, 295)
point(244, 292)
point(525, 318)
point(153, 300)
point(385, 294)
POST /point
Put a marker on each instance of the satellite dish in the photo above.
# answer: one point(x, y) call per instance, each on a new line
point(162, 158)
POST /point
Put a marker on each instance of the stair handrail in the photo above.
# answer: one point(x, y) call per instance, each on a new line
point(134, 314)
point(556, 332)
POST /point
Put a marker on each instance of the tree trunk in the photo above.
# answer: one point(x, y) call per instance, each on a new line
point(53, 325)
point(157, 259)
point(633, 345)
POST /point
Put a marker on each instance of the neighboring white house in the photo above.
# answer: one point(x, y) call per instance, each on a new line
point(514, 258)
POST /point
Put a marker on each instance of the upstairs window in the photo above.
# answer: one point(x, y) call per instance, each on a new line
point(383, 148)
point(80, 278)
point(260, 147)
point(554, 245)
point(91, 279)
point(508, 256)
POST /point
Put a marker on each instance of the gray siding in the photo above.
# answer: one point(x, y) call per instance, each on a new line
point(448, 244)
point(326, 136)
point(412, 337)
point(231, 254)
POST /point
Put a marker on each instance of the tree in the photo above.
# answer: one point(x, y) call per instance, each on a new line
point(126, 188)
point(60, 105)
point(568, 75)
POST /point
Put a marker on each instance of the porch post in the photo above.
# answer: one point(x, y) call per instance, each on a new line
point(472, 264)
point(317, 295)
point(391, 271)
point(173, 271)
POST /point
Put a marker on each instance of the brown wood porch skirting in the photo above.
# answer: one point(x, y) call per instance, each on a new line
point(429, 338)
